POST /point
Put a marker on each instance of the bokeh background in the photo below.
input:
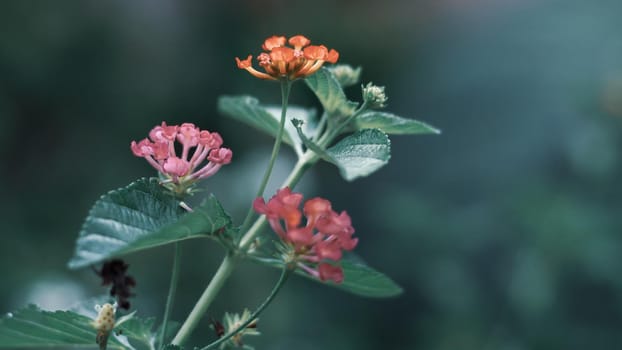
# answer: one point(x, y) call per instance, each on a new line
point(504, 231)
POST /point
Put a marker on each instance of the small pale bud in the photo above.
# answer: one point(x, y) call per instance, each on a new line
point(374, 95)
point(346, 75)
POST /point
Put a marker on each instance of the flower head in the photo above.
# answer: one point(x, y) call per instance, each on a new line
point(317, 245)
point(181, 171)
point(374, 95)
point(279, 61)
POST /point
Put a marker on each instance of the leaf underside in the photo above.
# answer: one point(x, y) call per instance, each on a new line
point(359, 278)
point(361, 153)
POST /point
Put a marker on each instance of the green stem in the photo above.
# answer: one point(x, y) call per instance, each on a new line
point(320, 126)
point(304, 162)
point(242, 327)
point(228, 264)
point(223, 272)
point(285, 88)
point(171, 292)
point(330, 134)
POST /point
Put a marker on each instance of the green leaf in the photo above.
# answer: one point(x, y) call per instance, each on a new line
point(138, 330)
point(359, 278)
point(299, 124)
point(392, 124)
point(363, 280)
point(266, 118)
point(126, 327)
point(328, 90)
point(361, 153)
point(32, 327)
point(140, 216)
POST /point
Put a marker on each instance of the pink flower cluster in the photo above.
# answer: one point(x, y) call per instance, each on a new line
point(159, 151)
point(323, 237)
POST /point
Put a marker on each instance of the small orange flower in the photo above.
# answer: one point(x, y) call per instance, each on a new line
point(283, 62)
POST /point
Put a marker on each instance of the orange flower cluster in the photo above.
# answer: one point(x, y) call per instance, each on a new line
point(283, 62)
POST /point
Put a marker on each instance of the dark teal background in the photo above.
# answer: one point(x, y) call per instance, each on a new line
point(505, 231)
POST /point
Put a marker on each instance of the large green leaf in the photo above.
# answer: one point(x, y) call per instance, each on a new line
point(140, 216)
point(267, 118)
point(328, 90)
point(31, 327)
point(363, 280)
point(361, 153)
point(392, 124)
point(359, 278)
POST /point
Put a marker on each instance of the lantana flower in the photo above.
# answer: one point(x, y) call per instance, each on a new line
point(280, 61)
point(316, 246)
point(180, 172)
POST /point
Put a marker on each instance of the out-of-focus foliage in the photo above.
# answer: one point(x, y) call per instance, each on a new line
point(504, 230)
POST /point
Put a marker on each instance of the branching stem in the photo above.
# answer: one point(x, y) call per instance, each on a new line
point(242, 327)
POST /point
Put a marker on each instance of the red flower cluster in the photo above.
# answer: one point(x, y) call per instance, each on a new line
point(159, 151)
point(280, 61)
point(323, 237)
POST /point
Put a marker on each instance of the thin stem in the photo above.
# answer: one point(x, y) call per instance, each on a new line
point(285, 88)
point(330, 134)
point(320, 126)
point(304, 162)
point(227, 265)
point(171, 292)
point(223, 272)
point(242, 327)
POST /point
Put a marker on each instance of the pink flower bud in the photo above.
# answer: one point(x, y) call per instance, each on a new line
point(300, 236)
point(324, 236)
point(159, 151)
point(330, 272)
point(210, 140)
point(188, 135)
point(176, 166)
point(142, 149)
point(260, 206)
point(348, 243)
point(334, 224)
point(314, 208)
point(328, 250)
point(287, 197)
point(220, 156)
point(163, 133)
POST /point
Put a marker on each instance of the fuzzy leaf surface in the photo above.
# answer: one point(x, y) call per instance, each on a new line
point(330, 93)
point(32, 327)
point(266, 118)
point(392, 124)
point(141, 216)
point(361, 153)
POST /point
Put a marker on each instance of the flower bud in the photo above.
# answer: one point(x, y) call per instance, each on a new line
point(374, 95)
point(346, 75)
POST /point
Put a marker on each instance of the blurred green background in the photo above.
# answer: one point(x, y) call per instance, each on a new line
point(504, 230)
